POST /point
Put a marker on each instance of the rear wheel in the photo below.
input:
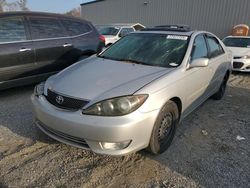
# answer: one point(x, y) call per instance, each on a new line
point(164, 128)
point(220, 93)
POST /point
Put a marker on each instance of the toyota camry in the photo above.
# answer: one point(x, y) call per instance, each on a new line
point(133, 95)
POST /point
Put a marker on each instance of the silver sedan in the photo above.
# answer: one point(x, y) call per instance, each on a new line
point(133, 95)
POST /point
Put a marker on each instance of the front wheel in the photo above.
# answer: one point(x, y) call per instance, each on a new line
point(220, 93)
point(164, 128)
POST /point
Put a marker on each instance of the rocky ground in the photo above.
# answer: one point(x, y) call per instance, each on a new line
point(211, 149)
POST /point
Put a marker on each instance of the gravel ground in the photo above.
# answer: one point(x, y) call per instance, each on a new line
point(204, 153)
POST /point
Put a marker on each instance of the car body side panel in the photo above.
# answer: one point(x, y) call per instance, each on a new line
point(15, 64)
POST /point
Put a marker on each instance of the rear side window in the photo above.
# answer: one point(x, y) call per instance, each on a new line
point(76, 27)
point(214, 46)
point(199, 48)
point(12, 29)
point(45, 28)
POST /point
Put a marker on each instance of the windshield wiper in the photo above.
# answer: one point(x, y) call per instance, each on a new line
point(111, 58)
point(124, 60)
point(134, 61)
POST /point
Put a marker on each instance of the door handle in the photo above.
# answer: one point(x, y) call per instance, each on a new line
point(24, 49)
point(67, 45)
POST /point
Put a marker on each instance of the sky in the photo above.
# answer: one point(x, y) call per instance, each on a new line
point(57, 6)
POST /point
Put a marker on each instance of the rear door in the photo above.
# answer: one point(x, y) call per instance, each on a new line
point(51, 43)
point(16, 50)
point(217, 62)
point(84, 39)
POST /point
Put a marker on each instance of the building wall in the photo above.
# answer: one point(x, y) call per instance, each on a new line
point(217, 16)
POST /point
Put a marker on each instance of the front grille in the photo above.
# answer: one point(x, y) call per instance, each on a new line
point(237, 57)
point(237, 65)
point(71, 139)
point(65, 102)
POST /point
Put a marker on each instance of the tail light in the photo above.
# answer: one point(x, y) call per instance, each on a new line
point(102, 38)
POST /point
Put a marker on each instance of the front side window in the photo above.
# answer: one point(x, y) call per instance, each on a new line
point(149, 49)
point(200, 48)
point(45, 28)
point(109, 31)
point(130, 30)
point(124, 32)
point(237, 42)
point(214, 46)
point(75, 28)
point(12, 30)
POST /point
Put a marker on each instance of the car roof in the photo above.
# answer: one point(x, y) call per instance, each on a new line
point(31, 13)
point(119, 24)
point(189, 33)
point(247, 37)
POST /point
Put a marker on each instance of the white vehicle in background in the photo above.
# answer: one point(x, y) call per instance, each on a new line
point(113, 32)
point(240, 47)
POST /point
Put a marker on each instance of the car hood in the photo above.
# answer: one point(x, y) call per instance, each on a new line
point(237, 51)
point(97, 79)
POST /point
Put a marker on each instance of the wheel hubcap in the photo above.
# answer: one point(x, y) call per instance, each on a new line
point(165, 128)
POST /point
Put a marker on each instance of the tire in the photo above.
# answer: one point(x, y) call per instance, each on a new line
point(220, 93)
point(164, 128)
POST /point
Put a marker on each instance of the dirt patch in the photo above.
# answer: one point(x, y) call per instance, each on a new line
point(205, 151)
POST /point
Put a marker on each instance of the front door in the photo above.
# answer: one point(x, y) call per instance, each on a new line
point(199, 78)
point(17, 55)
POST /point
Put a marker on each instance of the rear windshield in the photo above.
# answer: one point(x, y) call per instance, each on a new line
point(149, 49)
point(108, 31)
point(237, 42)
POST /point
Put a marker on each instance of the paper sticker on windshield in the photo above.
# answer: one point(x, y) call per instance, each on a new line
point(177, 37)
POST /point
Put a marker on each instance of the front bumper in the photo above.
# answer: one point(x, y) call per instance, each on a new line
point(241, 65)
point(88, 132)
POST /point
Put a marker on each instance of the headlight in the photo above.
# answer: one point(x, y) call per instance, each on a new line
point(117, 106)
point(246, 57)
point(39, 89)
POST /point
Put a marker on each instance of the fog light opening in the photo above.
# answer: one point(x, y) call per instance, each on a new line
point(115, 145)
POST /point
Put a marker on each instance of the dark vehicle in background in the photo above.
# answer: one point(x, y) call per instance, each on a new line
point(34, 45)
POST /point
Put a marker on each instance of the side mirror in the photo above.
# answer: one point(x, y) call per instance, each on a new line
point(201, 62)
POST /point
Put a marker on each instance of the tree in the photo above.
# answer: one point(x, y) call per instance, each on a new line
point(13, 6)
point(2, 4)
point(74, 12)
point(23, 5)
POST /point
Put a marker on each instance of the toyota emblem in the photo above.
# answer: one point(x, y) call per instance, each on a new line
point(59, 99)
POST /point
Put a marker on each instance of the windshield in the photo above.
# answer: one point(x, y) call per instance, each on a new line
point(237, 42)
point(149, 49)
point(109, 31)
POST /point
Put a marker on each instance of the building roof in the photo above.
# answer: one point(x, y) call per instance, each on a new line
point(91, 2)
